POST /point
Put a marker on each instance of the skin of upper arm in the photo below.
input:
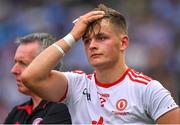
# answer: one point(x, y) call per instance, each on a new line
point(52, 88)
point(171, 117)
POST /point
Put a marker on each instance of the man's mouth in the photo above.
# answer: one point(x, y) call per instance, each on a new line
point(95, 55)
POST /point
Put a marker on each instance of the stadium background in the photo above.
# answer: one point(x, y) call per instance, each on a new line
point(154, 30)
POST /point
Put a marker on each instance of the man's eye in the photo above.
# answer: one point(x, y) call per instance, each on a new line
point(86, 41)
point(101, 38)
point(23, 63)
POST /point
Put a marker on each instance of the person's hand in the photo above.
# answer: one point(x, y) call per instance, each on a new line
point(83, 21)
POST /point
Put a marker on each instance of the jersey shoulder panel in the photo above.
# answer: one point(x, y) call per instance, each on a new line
point(78, 74)
point(157, 100)
point(138, 77)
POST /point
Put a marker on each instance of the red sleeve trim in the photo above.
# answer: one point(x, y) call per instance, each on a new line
point(78, 72)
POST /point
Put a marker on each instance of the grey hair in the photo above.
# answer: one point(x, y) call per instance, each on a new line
point(45, 40)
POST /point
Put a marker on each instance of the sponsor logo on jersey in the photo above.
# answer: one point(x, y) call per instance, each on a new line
point(99, 122)
point(85, 92)
point(103, 97)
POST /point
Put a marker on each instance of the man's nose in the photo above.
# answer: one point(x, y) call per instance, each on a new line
point(93, 44)
point(15, 69)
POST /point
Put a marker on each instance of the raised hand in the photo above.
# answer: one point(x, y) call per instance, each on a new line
point(83, 21)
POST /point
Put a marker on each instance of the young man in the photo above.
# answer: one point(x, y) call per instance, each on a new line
point(35, 110)
point(114, 93)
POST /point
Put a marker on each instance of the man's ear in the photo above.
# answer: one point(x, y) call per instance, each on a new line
point(124, 42)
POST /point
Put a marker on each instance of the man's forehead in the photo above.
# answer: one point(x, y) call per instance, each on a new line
point(27, 49)
point(29, 46)
point(101, 24)
point(101, 28)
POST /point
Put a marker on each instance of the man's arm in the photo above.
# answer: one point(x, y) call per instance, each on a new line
point(171, 117)
point(39, 77)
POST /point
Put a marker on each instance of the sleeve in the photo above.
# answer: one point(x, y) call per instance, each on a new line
point(58, 113)
point(76, 83)
point(10, 118)
point(158, 100)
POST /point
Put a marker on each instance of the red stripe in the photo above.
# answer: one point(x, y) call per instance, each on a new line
point(89, 76)
point(107, 85)
point(136, 80)
point(135, 74)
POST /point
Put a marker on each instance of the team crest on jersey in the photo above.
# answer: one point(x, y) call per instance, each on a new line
point(37, 121)
point(121, 105)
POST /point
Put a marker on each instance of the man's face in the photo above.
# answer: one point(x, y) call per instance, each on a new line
point(103, 45)
point(23, 57)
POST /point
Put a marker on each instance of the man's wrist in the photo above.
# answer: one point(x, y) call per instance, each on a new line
point(69, 39)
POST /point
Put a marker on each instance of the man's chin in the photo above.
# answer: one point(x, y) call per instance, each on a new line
point(25, 92)
point(95, 63)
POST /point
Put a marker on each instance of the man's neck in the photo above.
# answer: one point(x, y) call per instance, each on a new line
point(36, 100)
point(110, 75)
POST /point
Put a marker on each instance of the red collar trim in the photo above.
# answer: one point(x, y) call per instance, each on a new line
point(28, 108)
point(107, 85)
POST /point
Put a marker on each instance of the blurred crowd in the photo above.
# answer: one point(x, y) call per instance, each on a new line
point(154, 31)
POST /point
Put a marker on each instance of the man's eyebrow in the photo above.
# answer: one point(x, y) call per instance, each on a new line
point(100, 34)
point(96, 35)
point(84, 37)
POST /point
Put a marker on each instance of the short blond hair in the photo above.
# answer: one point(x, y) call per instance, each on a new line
point(113, 16)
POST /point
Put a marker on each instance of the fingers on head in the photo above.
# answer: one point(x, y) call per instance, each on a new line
point(92, 16)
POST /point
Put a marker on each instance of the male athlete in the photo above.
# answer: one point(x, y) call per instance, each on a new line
point(114, 93)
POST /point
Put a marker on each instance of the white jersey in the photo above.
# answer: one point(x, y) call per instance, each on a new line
point(133, 99)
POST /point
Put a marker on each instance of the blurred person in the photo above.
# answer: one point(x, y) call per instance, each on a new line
point(36, 110)
point(114, 93)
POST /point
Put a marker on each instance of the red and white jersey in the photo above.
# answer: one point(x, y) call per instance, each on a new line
point(134, 98)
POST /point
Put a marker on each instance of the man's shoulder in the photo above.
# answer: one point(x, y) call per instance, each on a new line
point(139, 77)
point(57, 113)
point(56, 107)
point(79, 74)
point(16, 107)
